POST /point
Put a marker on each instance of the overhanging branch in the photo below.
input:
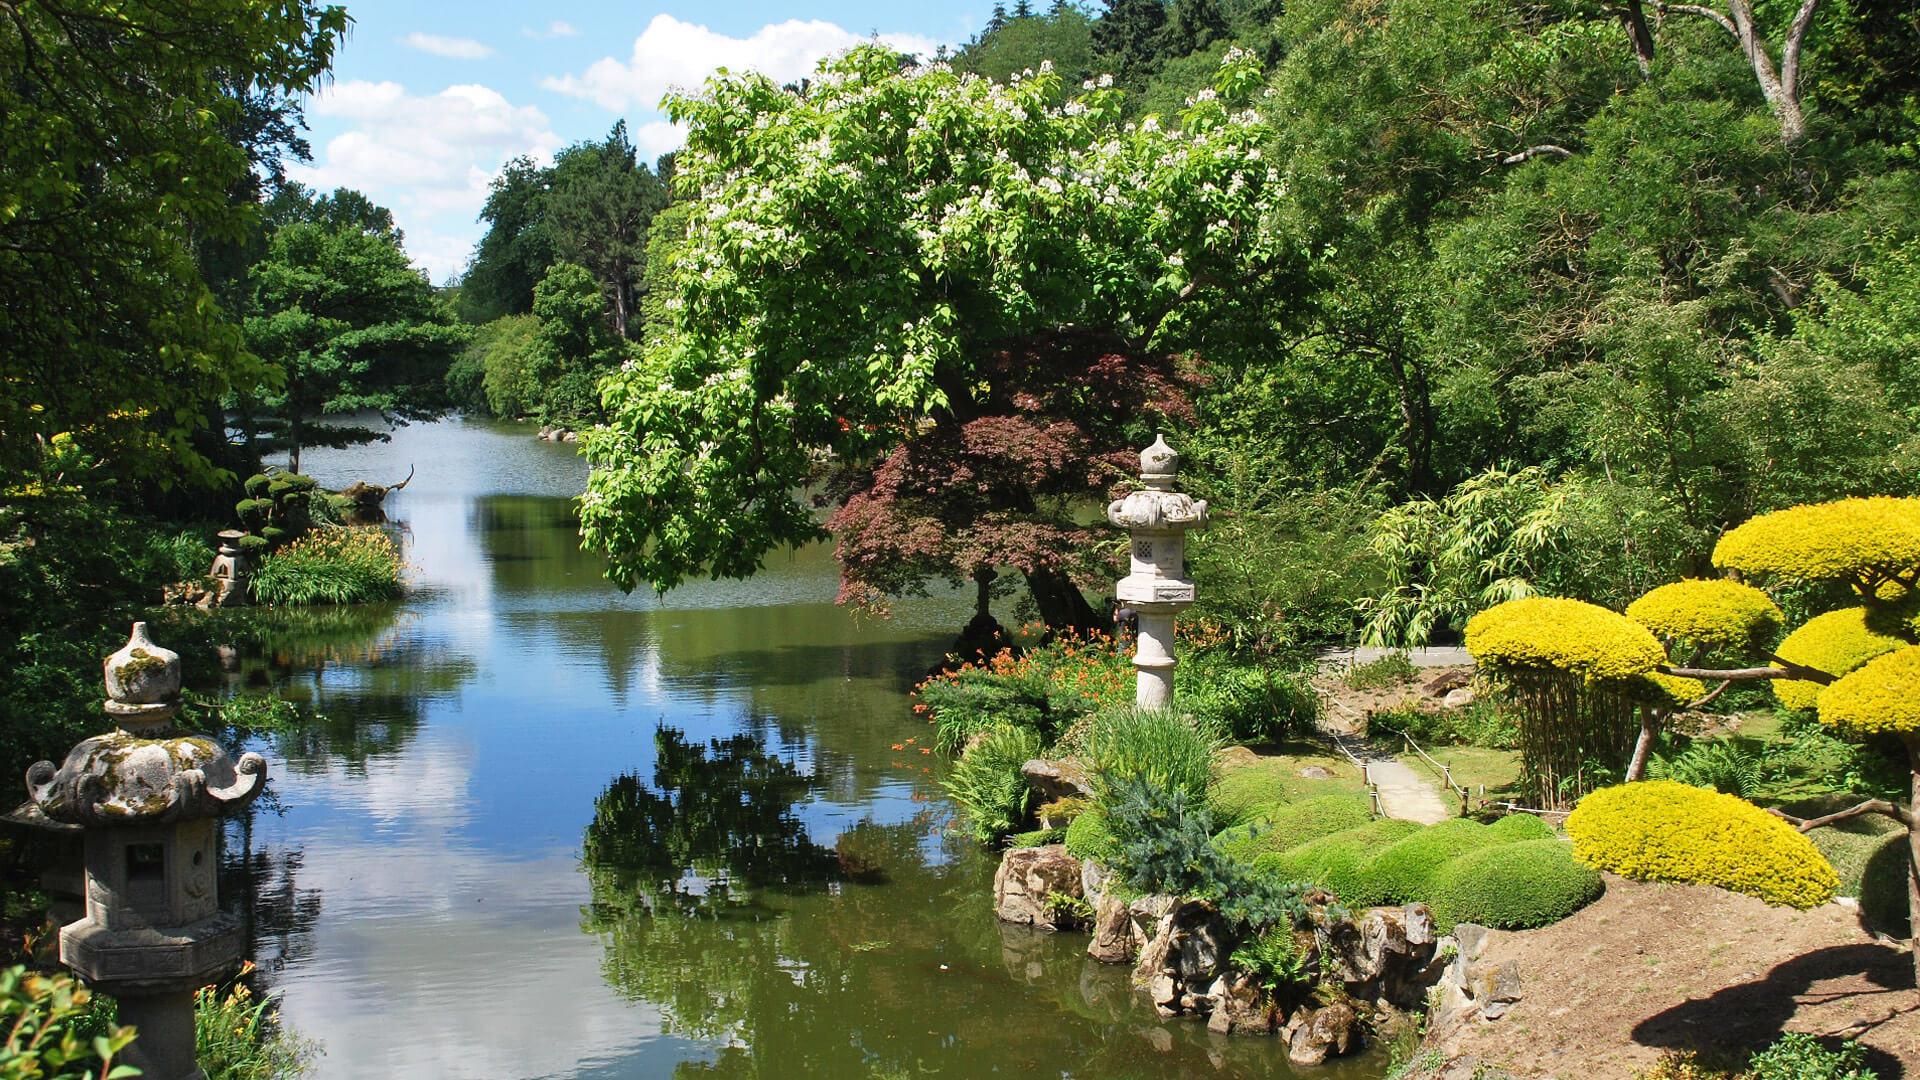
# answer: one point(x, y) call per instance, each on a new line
point(1871, 806)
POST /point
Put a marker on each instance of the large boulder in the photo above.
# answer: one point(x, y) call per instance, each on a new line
point(1121, 928)
point(1053, 780)
point(1240, 1007)
point(1315, 1035)
point(1387, 957)
point(1028, 877)
point(1183, 958)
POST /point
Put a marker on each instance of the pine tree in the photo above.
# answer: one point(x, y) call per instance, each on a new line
point(999, 18)
point(1023, 10)
point(1194, 25)
point(1127, 37)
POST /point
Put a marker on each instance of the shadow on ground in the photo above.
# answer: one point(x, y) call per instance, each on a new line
point(1854, 988)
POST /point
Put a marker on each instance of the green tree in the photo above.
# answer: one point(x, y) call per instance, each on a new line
point(875, 265)
point(597, 211)
point(573, 347)
point(1063, 37)
point(120, 147)
point(516, 249)
point(1127, 38)
point(352, 327)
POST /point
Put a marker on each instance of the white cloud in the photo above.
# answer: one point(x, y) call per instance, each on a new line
point(424, 156)
point(672, 54)
point(558, 28)
point(452, 47)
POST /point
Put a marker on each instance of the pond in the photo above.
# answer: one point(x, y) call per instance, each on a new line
point(549, 829)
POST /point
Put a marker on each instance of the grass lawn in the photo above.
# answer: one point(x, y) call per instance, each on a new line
point(1472, 766)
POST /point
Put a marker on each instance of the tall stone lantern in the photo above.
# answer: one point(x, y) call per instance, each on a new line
point(149, 800)
point(1156, 586)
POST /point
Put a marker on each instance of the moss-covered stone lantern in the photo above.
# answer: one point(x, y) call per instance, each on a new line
point(149, 799)
point(1156, 587)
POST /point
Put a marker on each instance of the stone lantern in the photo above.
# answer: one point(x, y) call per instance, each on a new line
point(149, 800)
point(1156, 587)
point(229, 572)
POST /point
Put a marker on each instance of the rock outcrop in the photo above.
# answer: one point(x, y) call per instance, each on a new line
point(1183, 958)
point(1028, 878)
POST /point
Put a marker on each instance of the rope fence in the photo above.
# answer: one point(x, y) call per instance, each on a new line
point(1445, 771)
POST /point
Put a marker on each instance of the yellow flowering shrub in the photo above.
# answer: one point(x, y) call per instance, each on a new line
point(1713, 611)
point(1573, 636)
point(1880, 695)
point(1835, 643)
point(1674, 691)
point(1865, 541)
point(1657, 830)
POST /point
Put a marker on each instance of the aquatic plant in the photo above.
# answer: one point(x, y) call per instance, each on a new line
point(355, 565)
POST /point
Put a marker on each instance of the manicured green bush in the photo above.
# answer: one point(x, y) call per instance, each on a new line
point(1159, 746)
point(1337, 863)
point(1513, 886)
point(357, 565)
point(987, 785)
point(1522, 827)
point(1293, 824)
point(1089, 838)
point(1404, 872)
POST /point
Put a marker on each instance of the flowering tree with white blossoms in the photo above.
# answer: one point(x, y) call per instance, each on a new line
point(949, 305)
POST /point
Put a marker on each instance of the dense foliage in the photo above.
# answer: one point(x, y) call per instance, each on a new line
point(53, 1032)
point(1663, 831)
point(1513, 886)
point(337, 565)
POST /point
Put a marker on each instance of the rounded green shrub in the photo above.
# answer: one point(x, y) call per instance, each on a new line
point(256, 485)
point(1089, 837)
point(1293, 824)
point(1337, 863)
point(1513, 886)
point(1712, 611)
point(1548, 633)
point(1404, 872)
point(1836, 643)
point(1521, 827)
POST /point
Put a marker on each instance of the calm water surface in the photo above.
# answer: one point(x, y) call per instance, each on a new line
point(553, 830)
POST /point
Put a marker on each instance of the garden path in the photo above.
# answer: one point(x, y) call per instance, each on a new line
point(1405, 794)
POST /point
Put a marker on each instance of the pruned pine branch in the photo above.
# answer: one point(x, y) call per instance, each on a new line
point(1780, 669)
point(1871, 806)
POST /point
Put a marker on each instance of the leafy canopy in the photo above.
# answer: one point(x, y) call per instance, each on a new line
point(862, 246)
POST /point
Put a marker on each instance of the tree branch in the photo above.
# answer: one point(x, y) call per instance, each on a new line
point(1703, 702)
point(1796, 36)
point(1781, 669)
point(1698, 9)
point(1536, 151)
point(1871, 806)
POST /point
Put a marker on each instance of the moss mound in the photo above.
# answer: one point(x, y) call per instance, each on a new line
point(1513, 886)
point(1522, 827)
point(1404, 872)
point(1245, 793)
point(1290, 825)
point(1339, 862)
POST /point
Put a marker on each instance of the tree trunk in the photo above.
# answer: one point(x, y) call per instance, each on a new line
point(1062, 605)
point(1634, 17)
point(1643, 747)
point(1913, 854)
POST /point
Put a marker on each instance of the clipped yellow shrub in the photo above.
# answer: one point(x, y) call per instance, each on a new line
point(1674, 691)
point(1865, 540)
point(1657, 830)
point(1835, 643)
point(1713, 611)
point(1881, 695)
point(1573, 636)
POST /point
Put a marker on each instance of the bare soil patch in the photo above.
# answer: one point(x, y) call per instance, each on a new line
point(1652, 969)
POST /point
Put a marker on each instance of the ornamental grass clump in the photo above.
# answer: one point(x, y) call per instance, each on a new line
point(1514, 886)
point(1159, 746)
point(357, 565)
point(1659, 830)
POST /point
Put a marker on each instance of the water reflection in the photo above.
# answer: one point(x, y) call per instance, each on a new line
point(703, 783)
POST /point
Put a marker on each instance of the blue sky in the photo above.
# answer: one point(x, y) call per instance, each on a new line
point(430, 97)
